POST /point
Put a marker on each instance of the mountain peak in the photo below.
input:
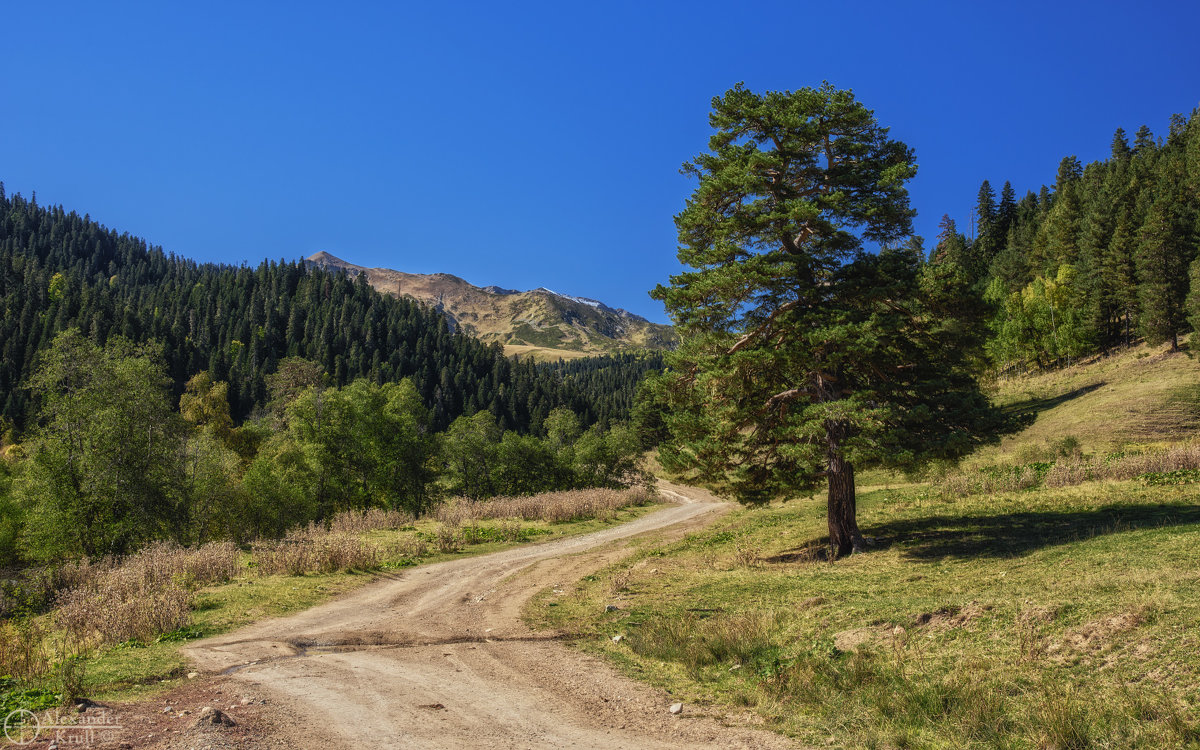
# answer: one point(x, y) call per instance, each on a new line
point(541, 319)
point(326, 259)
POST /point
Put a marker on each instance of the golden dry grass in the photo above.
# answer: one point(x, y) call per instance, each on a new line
point(552, 507)
point(545, 354)
point(1144, 395)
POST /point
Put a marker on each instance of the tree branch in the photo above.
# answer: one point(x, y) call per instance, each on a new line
point(744, 340)
point(779, 398)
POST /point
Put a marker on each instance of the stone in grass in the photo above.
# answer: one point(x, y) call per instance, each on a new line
point(676, 708)
point(214, 717)
point(618, 638)
point(611, 608)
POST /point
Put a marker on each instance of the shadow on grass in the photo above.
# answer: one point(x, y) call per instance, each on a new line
point(1001, 535)
point(1034, 406)
point(1014, 534)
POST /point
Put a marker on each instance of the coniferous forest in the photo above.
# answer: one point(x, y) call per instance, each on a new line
point(1104, 257)
point(59, 270)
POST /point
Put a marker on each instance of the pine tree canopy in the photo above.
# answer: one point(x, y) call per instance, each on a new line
point(803, 355)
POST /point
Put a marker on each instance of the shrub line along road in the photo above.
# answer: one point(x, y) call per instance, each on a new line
point(438, 657)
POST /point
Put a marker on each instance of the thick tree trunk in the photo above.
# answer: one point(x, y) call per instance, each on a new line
point(844, 536)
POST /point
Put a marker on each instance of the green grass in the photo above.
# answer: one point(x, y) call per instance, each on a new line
point(1064, 618)
point(135, 670)
point(1144, 395)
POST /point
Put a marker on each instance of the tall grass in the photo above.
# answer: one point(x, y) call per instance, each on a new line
point(1070, 470)
point(372, 519)
point(313, 549)
point(552, 507)
point(147, 594)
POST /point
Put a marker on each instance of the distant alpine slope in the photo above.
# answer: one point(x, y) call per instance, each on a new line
point(540, 319)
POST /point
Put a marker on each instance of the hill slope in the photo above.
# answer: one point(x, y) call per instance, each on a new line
point(1020, 615)
point(537, 319)
point(1143, 395)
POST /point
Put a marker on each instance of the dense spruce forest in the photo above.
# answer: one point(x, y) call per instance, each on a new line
point(59, 270)
point(609, 382)
point(149, 397)
point(1105, 256)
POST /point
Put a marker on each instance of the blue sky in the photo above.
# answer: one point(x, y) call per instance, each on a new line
point(534, 144)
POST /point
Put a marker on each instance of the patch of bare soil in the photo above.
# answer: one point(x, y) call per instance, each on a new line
point(235, 718)
point(855, 638)
point(1097, 636)
point(951, 618)
point(438, 657)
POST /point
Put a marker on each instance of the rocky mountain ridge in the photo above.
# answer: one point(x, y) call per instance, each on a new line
point(539, 320)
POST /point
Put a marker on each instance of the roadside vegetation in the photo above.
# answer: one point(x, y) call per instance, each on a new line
point(112, 626)
point(1041, 594)
point(119, 511)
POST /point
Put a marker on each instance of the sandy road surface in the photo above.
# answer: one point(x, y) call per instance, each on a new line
point(437, 657)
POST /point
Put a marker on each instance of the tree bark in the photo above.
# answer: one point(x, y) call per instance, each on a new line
point(844, 536)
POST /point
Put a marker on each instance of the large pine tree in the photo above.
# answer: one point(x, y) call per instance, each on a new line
point(804, 356)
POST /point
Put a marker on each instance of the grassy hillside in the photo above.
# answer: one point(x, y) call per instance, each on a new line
point(1052, 617)
point(543, 354)
point(1049, 619)
point(1144, 395)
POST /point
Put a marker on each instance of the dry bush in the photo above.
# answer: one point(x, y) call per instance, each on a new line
point(956, 485)
point(24, 652)
point(146, 594)
point(1177, 458)
point(1124, 466)
point(553, 507)
point(78, 573)
point(373, 519)
point(447, 538)
point(620, 581)
point(124, 606)
point(1070, 473)
point(37, 587)
point(312, 549)
point(989, 482)
point(215, 562)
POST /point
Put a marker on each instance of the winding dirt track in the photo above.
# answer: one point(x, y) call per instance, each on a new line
point(438, 658)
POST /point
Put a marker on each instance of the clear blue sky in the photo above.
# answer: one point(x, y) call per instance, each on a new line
point(527, 144)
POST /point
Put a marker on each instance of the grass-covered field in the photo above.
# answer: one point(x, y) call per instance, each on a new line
point(1064, 618)
point(1140, 396)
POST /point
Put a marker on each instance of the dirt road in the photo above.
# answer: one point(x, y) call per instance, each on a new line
point(438, 657)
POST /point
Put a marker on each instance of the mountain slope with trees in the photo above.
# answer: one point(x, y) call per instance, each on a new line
point(59, 270)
